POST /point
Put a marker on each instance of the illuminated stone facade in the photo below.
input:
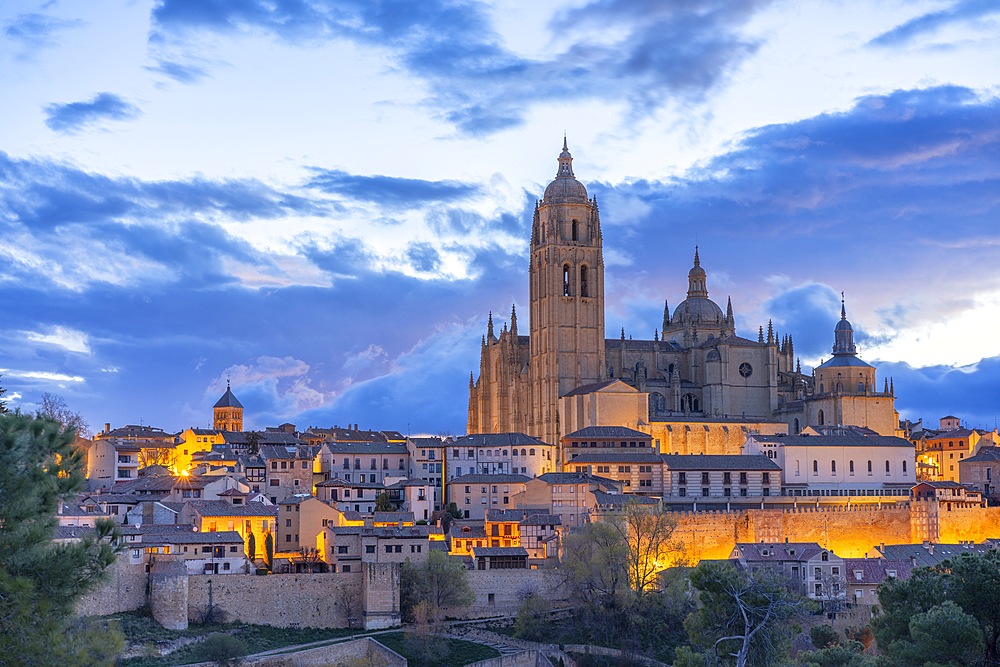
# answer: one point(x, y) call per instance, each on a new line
point(697, 368)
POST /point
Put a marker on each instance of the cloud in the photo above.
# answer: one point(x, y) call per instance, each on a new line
point(74, 116)
point(390, 191)
point(36, 31)
point(967, 392)
point(63, 337)
point(960, 11)
point(641, 54)
point(180, 72)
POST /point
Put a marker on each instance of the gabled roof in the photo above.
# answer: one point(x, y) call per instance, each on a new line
point(509, 516)
point(497, 440)
point(851, 440)
point(616, 432)
point(930, 554)
point(492, 552)
point(719, 462)
point(613, 456)
point(597, 386)
point(223, 508)
point(577, 478)
point(366, 448)
point(393, 517)
point(289, 451)
point(985, 455)
point(265, 438)
point(542, 519)
point(467, 532)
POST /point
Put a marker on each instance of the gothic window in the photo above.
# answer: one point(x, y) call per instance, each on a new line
point(840, 387)
point(565, 280)
point(584, 290)
point(821, 388)
point(821, 420)
point(852, 467)
point(886, 467)
point(869, 467)
point(575, 231)
point(833, 467)
point(796, 428)
point(746, 370)
point(690, 403)
point(670, 369)
point(815, 467)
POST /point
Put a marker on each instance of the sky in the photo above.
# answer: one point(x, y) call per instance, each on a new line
point(320, 201)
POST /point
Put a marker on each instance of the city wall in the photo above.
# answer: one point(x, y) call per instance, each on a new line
point(285, 600)
point(968, 524)
point(849, 532)
point(509, 587)
point(123, 589)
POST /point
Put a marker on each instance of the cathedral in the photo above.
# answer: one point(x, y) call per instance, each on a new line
point(695, 369)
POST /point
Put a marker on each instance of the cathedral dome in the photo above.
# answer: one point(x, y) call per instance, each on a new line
point(565, 188)
point(697, 309)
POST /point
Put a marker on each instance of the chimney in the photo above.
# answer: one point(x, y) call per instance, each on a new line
point(913, 561)
point(930, 549)
point(107, 427)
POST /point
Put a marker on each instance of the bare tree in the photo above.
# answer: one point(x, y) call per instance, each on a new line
point(647, 531)
point(157, 456)
point(54, 407)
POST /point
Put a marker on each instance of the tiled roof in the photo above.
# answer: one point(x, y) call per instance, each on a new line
point(577, 478)
point(607, 432)
point(509, 516)
point(427, 442)
point(297, 499)
point(289, 451)
point(930, 554)
point(279, 438)
point(763, 552)
point(346, 435)
point(875, 570)
point(467, 532)
point(496, 440)
point(222, 508)
point(191, 537)
point(366, 448)
point(719, 462)
point(138, 432)
point(985, 455)
point(479, 478)
point(542, 519)
point(393, 517)
point(618, 500)
point(414, 532)
point(72, 532)
point(613, 456)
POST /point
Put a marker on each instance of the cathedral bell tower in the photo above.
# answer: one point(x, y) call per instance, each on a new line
point(566, 295)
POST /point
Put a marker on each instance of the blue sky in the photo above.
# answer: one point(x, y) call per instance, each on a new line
point(323, 199)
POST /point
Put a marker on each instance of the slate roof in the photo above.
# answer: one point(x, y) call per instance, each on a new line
point(613, 456)
point(337, 434)
point(923, 555)
point(594, 386)
point(952, 434)
point(72, 532)
point(222, 508)
point(617, 432)
point(266, 438)
point(492, 552)
point(297, 499)
point(509, 516)
point(479, 478)
point(496, 440)
point(875, 570)
point(289, 451)
point(138, 432)
point(719, 462)
point(851, 440)
point(393, 517)
point(467, 532)
point(778, 552)
point(985, 455)
point(618, 500)
point(542, 519)
point(191, 537)
point(228, 400)
point(844, 361)
point(366, 448)
point(427, 442)
point(406, 532)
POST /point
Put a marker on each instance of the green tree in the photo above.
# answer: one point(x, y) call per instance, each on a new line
point(823, 636)
point(745, 617)
point(441, 581)
point(3, 403)
point(222, 649)
point(41, 581)
point(251, 547)
point(846, 654)
point(253, 443)
point(945, 636)
point(269, 550)
point(383, 504)
point(532, 617)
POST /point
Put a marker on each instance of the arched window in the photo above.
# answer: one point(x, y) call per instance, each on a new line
point(852, 467)
point(821, 389)
point(869, 467)
point(670, 369)
point(514, 451)
point(821, 419)
point(584, 289)
point(886, 467)
point(532, 451)
point(524, 452)
point(833, 467)
point(565, 279)
point(815, 467)
point(575, 231)
point(904, 467)
point(796, 428)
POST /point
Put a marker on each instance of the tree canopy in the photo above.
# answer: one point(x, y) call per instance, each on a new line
point(40, 581)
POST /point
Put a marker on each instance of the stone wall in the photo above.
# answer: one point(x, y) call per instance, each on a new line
point(123, 589)
point(285, 600)
point(968, 524)
point(520, 659)
point(849, 532)
point(335, 654)
point(508, 588)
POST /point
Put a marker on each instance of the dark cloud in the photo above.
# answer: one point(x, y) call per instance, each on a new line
point(390, 191)
point(666, 51)
point(424, 257)
point(935, 391)
point(960, 11)
point(74, 116)
point(36, 30)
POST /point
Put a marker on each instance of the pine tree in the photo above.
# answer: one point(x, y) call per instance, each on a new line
point(40, 581)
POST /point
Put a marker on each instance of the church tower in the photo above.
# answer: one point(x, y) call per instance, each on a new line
point(566, 293)
point(228, 412)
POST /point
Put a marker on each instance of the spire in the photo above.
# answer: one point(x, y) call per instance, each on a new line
point(843, 343)
point(565, 162)
point(892, 387)
point(513, 320)
point(760, 335)
point(623, 333)
point(484, 341)
point(885, 390)
point(697, 284)
point(770, 333)
point(666, 314)
point(729, 310)
point(472, 382)
point(843, 307)
point(798, 366)
point(791, 346)
point(489, 327)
